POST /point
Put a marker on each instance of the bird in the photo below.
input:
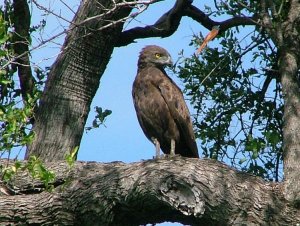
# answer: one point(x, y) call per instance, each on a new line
point(210, 36)
point(160, 106)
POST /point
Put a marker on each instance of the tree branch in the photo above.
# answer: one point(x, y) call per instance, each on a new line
point(167, 24)
point(21, 38)
point(190, 191)
point(199, 16)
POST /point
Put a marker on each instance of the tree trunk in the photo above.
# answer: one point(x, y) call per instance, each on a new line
point(74, 80)
point(291, 129)
point(190, 191)
point(289, 60)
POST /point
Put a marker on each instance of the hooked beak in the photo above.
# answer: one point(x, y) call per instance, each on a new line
point(169, 61)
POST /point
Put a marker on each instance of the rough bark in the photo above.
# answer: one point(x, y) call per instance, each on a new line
point(74, 80)
point(289, 61)
point(291, 129)
point(190, 191)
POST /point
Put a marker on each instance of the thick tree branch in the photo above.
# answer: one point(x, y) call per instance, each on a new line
point(21, 38)
point(167, 24)
point(190, 191)
point(289, 61)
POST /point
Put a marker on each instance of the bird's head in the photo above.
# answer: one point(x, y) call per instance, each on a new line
point(154, 55)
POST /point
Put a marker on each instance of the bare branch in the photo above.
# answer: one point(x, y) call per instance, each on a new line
point(199, 16)
point(66, 5)
point(141, 5)
point(165, 26)
point(39, 6)
point(32, 49)
point(169, 22)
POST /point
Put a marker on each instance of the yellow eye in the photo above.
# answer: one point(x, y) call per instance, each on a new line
point(157, 55)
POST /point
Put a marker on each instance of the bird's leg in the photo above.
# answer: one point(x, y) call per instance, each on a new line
point(157, 146)
point(172, 151)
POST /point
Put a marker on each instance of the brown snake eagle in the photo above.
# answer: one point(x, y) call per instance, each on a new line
point(160, 106)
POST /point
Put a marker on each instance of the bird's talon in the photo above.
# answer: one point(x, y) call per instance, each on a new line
point(158, 157)
point(171, 156)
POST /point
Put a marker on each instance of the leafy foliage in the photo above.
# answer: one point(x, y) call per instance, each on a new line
point(71, 158)
point(100, 118)
point(14, 116)
point(238, 105)
point(8, 172)
point(35, 168)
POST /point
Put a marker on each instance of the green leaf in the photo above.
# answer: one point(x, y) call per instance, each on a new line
point(5, 82)
point(71, 158)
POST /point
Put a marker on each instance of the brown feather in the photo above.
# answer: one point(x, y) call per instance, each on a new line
point(160, 106)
